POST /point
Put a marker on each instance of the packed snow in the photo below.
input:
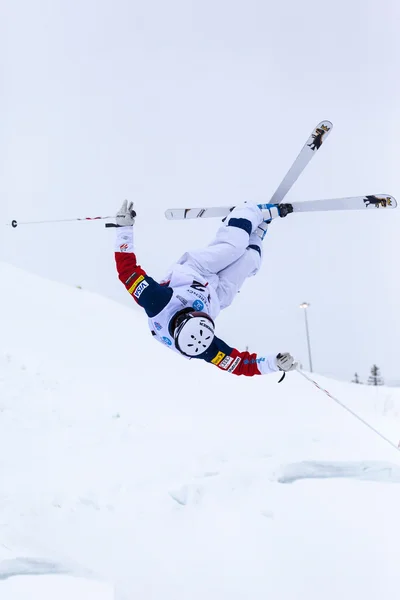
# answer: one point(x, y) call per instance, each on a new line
point(128, 472)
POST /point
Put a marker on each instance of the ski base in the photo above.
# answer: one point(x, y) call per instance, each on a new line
point(312, 145)
point(352, 203)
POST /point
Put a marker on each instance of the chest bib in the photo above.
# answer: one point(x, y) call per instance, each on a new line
point(196, 296)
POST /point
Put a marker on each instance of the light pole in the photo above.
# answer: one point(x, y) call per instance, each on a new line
point(305, 305)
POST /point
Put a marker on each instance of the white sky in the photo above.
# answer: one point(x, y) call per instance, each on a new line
point(186, 103)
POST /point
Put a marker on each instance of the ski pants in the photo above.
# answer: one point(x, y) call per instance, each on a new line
point(232, 256)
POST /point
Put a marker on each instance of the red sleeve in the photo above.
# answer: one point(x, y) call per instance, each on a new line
point(246, 363)
point(236, 362)
point(129, 272)
point(233, 361)
point(149, 294)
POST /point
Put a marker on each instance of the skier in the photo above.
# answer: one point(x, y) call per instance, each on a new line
point(182, 308)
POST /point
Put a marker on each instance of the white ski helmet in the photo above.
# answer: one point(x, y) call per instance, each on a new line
point(193, 333)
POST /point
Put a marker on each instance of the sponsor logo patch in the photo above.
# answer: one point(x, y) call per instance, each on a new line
point(135, 284)
point(234, 365)
point(207, 326)
point(140, 289)
point(183, 300)
point(198, 305)
point(166, 341)
point(254, 360)
point(134, 274)
point(224, 364)
point(157, 326)
point(201, 287)
point(123, 247)
point(217, 359)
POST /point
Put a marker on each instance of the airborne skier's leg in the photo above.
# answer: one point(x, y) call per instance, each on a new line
point(232, 278)
point(229, 244)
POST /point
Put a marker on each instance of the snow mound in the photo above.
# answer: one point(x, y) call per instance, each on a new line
point(123, 462)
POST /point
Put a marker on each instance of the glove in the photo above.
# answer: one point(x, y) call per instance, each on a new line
point(285, 362)
point(126, 215)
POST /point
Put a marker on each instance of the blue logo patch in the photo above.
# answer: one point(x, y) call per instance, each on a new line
point(167, 341)
point(157, 326)
point(198, 305)
point(253, 360)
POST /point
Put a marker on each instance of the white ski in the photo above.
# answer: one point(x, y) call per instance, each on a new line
point(352, 203)
point(314, 143)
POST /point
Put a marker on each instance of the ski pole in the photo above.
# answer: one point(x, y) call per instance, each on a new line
point(15, 223)
point(349, 410)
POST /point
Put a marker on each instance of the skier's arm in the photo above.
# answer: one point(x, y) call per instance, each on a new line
point(233, 361)
point(149, 294)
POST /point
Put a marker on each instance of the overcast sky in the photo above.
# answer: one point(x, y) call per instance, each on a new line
point(184, 103)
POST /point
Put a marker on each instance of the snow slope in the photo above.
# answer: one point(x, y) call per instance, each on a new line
point(124, 467)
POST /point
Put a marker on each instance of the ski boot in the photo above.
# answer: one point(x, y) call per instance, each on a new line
point(272, 211)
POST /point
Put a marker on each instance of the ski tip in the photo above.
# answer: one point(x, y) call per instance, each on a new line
point(169, 214)
point(380, 201)
point(325, 125)
point(393, 201)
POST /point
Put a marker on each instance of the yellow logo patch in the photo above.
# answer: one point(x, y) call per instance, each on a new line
point(217, 359)
point(135, 284)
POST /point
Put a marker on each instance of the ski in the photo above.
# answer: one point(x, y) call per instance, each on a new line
point(351, 203)
point(314, 143)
